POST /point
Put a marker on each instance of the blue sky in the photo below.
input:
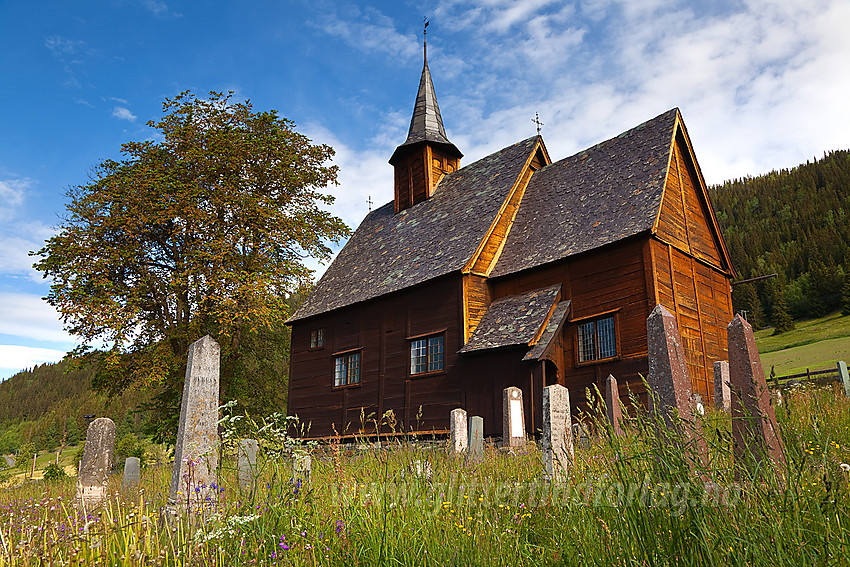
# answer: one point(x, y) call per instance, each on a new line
point(761, 85)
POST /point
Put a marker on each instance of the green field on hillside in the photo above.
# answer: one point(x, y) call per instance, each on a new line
point(815, 344)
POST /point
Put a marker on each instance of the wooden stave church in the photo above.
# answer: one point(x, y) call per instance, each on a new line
point(478, 278)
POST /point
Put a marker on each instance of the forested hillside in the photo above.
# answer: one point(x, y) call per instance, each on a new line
point(46, 403)
point(792, 222)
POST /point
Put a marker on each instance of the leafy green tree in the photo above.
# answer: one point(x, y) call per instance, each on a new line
point(25, 455)
point(203, 231)
point(129, 446)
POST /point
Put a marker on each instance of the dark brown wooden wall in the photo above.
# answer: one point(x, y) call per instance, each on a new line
point(381, 328)
point(614, 280)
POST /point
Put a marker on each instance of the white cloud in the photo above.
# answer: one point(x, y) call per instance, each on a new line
point(14, 357)
point(369, 30)
point(28, 316)
point(12, 193)
point(123, 113)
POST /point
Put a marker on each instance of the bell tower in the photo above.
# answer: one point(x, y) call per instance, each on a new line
point(422, 160)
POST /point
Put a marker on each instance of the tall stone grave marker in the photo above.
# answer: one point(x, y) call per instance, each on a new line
point(131, 478)
point(612, 405)
point(754, 430)
point(98, 453)
point(845, 377)
point(476, 437)
point(195, 454)
point(302, 468)
point(557, 437)
point(722, 394)
point(460, 431)
point(246, 463)
point(668, 380)
point(513, 418)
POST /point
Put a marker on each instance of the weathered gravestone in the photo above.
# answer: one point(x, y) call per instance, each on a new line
point(460, 431)
point(98, 453)
point(557, 438)
point(612, 405)
point(302, 467)
point(668, 380)
point(246, 463)
point(845, 377)
point(476, 438)
point(722, 394)
point(131, 478)
point(754, 430)
point(195, 454)
point(513, 418)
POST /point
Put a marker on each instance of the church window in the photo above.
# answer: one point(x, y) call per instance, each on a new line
point(597, 339)
point(317, 338)
point(347, 369)
point(427, 354)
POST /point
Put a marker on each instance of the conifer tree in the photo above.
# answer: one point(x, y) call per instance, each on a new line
point(782, 320)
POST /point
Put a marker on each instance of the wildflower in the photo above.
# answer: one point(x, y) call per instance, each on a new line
point(845, 467)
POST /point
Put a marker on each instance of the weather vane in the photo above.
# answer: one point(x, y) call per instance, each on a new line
point(369, 202)
point(537, 121)
point(425, 36)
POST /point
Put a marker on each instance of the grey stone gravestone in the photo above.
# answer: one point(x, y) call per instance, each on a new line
point(195, 453)
point(513, 418)
point(581, 436)
point(98, 453)
point(302, 467)
point(612, 405)
point(722, 394)
point(754, 430)
point(476, 437)
point(557, 438)
point(246, 463)
point(131, 478)
point(668, 380)
point(845, 377)
point(460, 431)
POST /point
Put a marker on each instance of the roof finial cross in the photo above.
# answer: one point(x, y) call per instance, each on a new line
point(369, 202)
point(425, 37)
point(537, 121)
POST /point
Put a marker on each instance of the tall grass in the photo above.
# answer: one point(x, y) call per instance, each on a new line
point(644, 498)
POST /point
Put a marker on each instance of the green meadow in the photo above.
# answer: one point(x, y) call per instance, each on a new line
point(644, 498)
point(814, 344)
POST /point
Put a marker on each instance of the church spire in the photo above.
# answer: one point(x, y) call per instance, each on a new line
point(426, 144)
point(426, 124)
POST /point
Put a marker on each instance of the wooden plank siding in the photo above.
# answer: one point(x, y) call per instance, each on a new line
point(382, 330)
point(609, 280)
point(476, 299)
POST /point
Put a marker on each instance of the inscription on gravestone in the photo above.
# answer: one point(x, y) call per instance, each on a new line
point(557, 437)
point(459, 430)
point(195, 453)
point(96, 464)
point(513, 418)
point(754, 430)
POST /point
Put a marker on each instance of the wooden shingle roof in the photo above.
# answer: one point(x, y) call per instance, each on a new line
point(389, 252)
point(598, 196)
point(514, 320)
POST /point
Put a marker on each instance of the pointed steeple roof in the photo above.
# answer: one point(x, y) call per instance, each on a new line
point(426, 124)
